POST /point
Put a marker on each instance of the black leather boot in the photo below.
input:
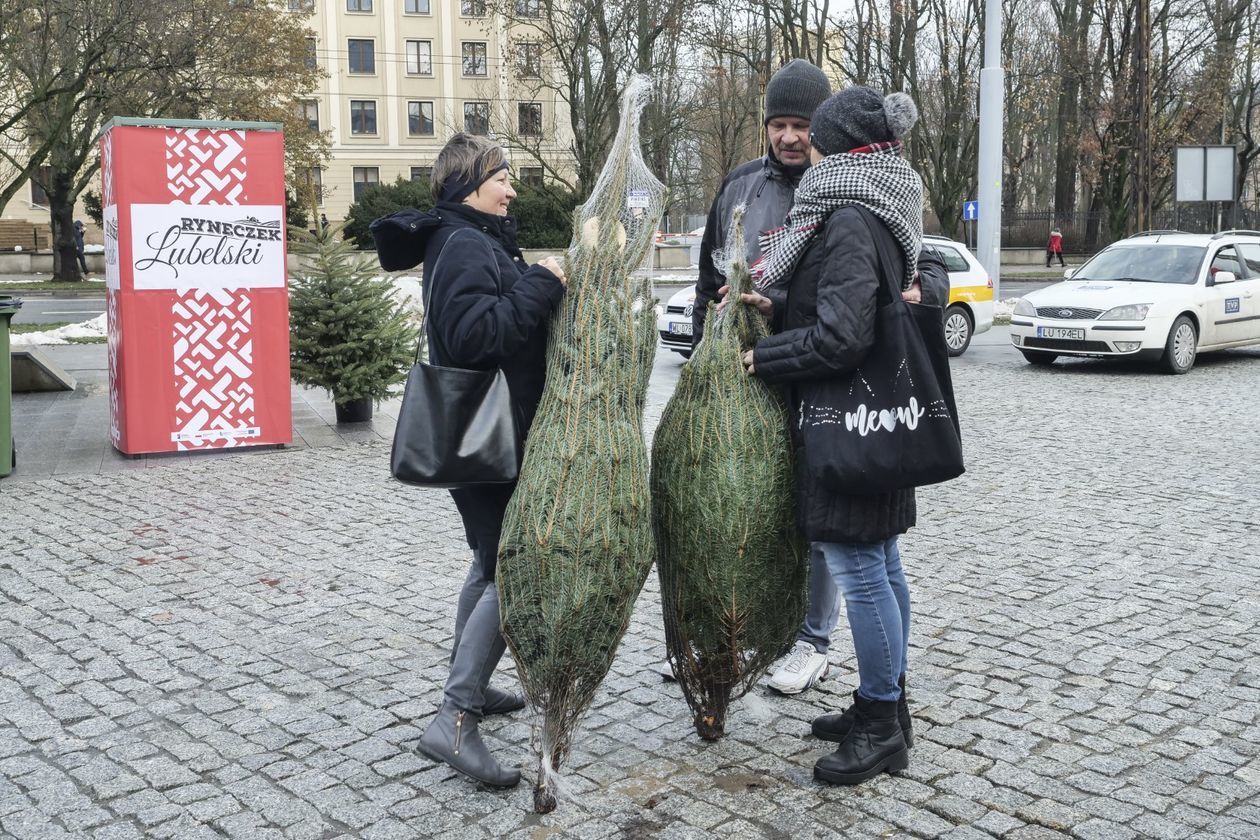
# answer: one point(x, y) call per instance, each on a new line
point(874, 745)
point(453, 738)
point(500, 702)
point(836, 727)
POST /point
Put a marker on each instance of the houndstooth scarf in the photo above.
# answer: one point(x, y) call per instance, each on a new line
point(876, 177)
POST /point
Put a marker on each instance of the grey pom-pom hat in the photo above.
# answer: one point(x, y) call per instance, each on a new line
point(859, 116)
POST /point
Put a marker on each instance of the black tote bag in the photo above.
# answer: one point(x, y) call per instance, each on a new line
point(457, 427)
point(891, 424)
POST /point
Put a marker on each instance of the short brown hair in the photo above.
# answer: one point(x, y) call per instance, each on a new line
point(465, 156)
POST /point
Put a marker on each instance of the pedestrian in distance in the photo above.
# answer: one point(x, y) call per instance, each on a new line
point(859, 189)
point(78, 245)
point(486, 309)
point(1055, 247)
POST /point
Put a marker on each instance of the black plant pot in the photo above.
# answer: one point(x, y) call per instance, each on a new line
point(354, 411)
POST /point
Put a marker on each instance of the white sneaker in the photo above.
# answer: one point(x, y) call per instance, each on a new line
point(803, 667)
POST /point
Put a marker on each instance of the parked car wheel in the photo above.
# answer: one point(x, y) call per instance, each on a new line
point(1182, 346)
point(958, 329)
point(1039, 358)
point(686, 354)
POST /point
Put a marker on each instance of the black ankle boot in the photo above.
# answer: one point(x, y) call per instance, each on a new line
point(453, 738)
point(836, 727)
point(500, 702)
point(874, 745)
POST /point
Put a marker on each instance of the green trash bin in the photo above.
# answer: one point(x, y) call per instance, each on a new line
point(8, 452)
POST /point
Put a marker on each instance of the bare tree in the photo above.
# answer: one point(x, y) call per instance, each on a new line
point(167, 58)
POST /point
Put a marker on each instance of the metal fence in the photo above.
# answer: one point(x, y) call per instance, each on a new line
point(1086, 232)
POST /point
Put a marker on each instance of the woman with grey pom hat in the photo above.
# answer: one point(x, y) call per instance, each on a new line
point(861, 198)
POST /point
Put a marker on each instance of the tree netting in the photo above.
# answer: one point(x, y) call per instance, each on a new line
point(577, 539)
point(728, 552)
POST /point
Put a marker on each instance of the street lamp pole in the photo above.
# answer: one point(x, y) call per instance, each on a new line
point(989, 226)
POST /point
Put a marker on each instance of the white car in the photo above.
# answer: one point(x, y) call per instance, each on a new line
point(1160, 296)
point(673, 321)
point(970, 307)
point(969, 311)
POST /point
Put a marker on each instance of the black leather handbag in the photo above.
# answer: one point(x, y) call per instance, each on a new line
point(891, 424)
point(456, 427)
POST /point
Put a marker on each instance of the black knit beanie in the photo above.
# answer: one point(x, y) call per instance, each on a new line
point(859, 116)
point(796, 90)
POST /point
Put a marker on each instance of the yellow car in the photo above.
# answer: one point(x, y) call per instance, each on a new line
point(970, 308)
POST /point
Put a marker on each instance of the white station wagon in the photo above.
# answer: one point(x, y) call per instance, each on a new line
point(1160, 296)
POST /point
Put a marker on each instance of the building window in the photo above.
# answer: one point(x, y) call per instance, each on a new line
point(312, 58)
point(358, 5)
point(422, 173)
point(529, 119)
point(420, 58)
point(527, 8)
point(308, 109)
point(362, 56)
point(301, 5)
point(39, 195)
point(311, 178)
point(530, 60)
point(419, 118)
point(532, 176)
point(362, 116)
point(364, 177)
point(472, 8)
point(474, 58)
point(417, 7)
point(477, 117)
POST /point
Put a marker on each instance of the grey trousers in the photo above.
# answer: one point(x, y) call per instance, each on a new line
point(824, 604)
point(478, 645)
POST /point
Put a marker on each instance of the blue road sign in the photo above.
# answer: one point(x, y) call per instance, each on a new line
point(971, 211)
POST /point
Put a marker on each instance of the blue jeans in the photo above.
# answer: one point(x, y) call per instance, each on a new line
point(824, 603)
point(877, 600)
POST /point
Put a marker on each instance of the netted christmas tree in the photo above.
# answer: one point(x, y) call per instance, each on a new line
point(577, 537)
point(731, 562)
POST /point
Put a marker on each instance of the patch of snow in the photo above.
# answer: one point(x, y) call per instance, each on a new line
point(95, 328)
point(1004, 309)
point(410, 295)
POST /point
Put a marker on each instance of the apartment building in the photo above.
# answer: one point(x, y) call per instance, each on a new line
point(404, 75)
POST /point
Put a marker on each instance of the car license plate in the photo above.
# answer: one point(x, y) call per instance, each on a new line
point(679, 328)
point(1076, 334)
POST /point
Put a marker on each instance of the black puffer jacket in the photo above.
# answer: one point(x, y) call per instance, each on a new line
point(824, 326)
point(486, 310)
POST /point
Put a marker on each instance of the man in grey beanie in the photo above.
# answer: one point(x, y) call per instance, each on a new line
point(764, 185)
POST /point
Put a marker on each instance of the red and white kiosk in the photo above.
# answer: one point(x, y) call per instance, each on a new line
point(196, 296)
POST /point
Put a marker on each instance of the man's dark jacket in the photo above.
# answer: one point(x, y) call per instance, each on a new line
point(766, 187)
point(824, 324)
point(486, 309)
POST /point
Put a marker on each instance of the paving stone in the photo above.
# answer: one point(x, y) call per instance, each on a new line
point(249, 645)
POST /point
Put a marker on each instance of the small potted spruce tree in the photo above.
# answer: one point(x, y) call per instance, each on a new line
point(348, 332)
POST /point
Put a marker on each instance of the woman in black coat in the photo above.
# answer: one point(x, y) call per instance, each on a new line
point(824, 264)
point(486, 309)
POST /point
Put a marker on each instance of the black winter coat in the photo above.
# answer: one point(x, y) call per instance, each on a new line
point(824, 326)
point(486, 309)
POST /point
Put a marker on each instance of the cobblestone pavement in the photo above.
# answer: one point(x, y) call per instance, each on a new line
point(248, 647)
